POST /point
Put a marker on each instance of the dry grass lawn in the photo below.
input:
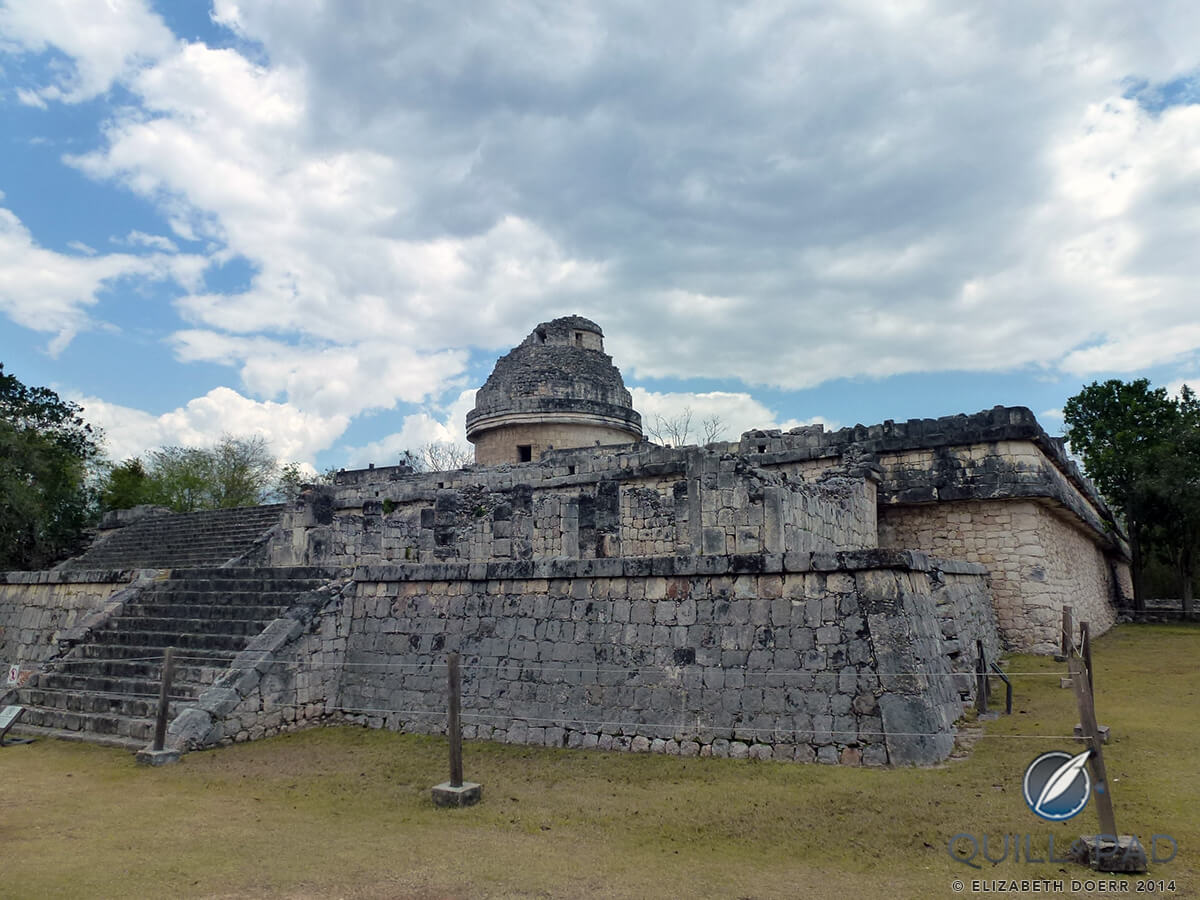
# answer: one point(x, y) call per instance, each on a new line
point(345, 812)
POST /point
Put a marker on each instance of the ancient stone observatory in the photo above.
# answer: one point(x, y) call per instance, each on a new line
point(555, 390)
point(806, 595)
point(640, 597)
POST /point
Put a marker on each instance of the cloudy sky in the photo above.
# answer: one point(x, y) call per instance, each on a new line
point(322, 221)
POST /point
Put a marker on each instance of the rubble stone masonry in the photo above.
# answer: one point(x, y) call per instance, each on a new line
point(38, 608)
point(854, 658)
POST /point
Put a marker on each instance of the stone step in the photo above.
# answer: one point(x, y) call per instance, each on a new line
point(129, 707)
point(215, 581)
point(150, 654)
point(125, 562)
point(181, 550)
point(137, 729)
point(179, 640)
point(176, 625)
point(209, 537)
point(188, 597)
point(226, 611)
point(186, 670)
point(181, 685)
point(212, 536)
point(324, 573)
point(181, 547)
point(106, 690)
point(208, 532)
point(22, 729)
point(179, 557)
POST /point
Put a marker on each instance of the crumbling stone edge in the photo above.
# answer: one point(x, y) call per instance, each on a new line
point(258, 552)
point(199, 724)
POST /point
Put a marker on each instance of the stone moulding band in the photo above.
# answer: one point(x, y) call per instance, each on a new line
point(667, 566)
point(499, 420)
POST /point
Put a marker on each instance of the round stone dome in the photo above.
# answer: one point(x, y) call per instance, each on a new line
point(556, 389)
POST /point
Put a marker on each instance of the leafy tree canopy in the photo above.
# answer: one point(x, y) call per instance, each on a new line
point(236, 471)
point(47, 451)
point(1142, 449)
point(1114, 426)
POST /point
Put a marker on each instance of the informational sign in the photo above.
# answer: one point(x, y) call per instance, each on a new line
point(14, 675)
point(8, 715)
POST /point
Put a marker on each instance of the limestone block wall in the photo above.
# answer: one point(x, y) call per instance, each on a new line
point(832, 657)
point(38, 608)
point(749, 510)
point(1038, 558)
point(499, 445)
point(653, 521)
point(635, 504)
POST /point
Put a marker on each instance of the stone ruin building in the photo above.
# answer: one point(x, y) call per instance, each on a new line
point(807, 595)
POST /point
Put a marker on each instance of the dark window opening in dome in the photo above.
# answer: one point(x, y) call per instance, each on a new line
point(570, 470)
point(524, 452)
point(579, 339)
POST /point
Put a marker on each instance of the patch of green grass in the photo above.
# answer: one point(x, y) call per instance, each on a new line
point(346, 812)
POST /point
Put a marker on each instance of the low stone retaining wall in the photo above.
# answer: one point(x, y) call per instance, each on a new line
point(38, 609)
point(839, 658)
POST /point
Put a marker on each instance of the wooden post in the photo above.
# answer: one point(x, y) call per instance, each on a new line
point(1068, 631)
point(1087, 718)
point(164, 698)
point(981, 680)
point(454, 726)
point(1085, 643)
point(455, 792)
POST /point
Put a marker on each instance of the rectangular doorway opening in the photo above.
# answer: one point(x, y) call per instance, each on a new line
point(524, 452)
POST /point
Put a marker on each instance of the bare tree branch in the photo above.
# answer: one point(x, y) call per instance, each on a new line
point(676, 431)
point(439, 456)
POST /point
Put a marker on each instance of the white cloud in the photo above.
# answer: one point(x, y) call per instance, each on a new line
point(330, 380)
point(142, 239)
point(1051, 420)
point(30, 98)
point(292, 433)
point(1176, 386)
point(738, 412)
point(771, 193)
point(225, 153)
point(52, 292)
point(417, 431)
point(103, 41)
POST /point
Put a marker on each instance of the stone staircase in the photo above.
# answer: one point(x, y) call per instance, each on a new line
point(105, 690)
point(180, 540)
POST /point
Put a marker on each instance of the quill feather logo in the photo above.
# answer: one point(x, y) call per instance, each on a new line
point(1057, 786)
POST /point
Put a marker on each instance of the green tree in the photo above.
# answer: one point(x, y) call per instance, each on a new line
point(181, 478)
point(126, 485)
point(243, 472)
point(1133, 440)
point(47, 452)
point(292, 479)
point(234, 472)
point(1170, 479)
